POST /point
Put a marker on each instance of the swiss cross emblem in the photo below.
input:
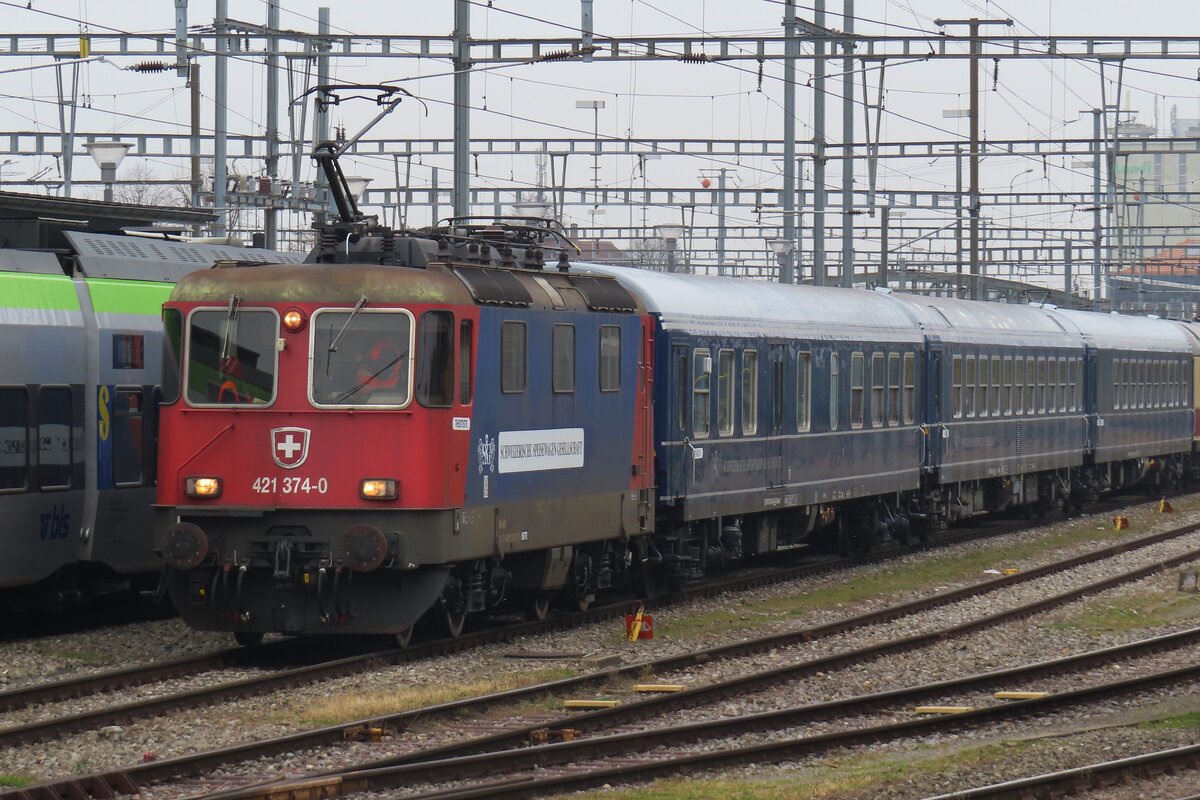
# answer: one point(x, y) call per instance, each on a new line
point(289, 446)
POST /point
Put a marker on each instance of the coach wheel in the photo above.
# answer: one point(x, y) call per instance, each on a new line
point(539, 607)
point(248, 638)
point(453, 621)
point(402, 638)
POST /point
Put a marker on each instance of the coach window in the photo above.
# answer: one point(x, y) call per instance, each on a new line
point(1139, 371)
point(1030, 385)
point(749, 392)
point(701, 388)
point(1160, 380)
point(1118, 383)
point(1044, 389)
point(857, 366)
point(893, 388)
point(14, 438)
point(681, 382)
point(610, 360)
point(910, 387)
point(983, 396)
point(435, 359)
point(54, 438)
point(1006, 388)
point(232, 355)
point(969, 379)
point(1073, 383)
point(512, 357)
point(465, 345)
point(956, 388)
point(128, 436)
point(995, 386)
point(803, 391)
point(172, 354)
point(877, 395)
point(1173, 382)
point(1018, 386)
point(725, 385)
point(1062, 385)
point(563, 357)
point(834, 379)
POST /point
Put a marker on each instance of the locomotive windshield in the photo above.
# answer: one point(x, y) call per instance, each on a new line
point(370, 365)
point(231, 357)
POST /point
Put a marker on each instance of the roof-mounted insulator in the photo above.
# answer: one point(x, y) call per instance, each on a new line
point(564, 263)
point(443, 244)
point(150, 66)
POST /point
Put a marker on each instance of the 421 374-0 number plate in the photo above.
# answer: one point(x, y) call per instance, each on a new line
point(270, 484)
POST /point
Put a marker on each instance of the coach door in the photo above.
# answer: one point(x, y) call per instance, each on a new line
point(935, 433)
point(777, 471)
point(679, 420)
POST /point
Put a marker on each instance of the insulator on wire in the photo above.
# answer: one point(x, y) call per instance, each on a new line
point(695, 58)
point(149, 66)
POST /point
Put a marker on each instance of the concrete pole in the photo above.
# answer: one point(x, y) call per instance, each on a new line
point(271, 216)
point(221, 120)
point(197, 181)
point(721, 221)
point(320, 112)
point(818, 225)
point(974, 207)
point(791, 49)
point(883, 246)
point(1097, 206)
point(848, 138)
point(462, 110)
point(958, 222)
point(1067, 272)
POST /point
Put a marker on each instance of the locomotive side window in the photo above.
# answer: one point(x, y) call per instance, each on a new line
point(512, 357)
point(803, 391)
point(1041, 388)
point(856, 390)
point(877, 378)
point(1006, 388)
point(128, 436)
point(701, 388)
point(362, 357)
point(725, 384)
point(14, 438)
point(563, 357)
point(956, 387)
point(749, 392)
point(1030, 384)
point(54, 443)
point(981, 397)
point(910, 388)
point(834, 377)
point(232, 357)
point(893, 384)
point(465, 343)
point(435, 359)
point(610, 361)
point(172, 354)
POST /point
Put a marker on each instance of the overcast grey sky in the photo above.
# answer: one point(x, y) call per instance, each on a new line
point(1031, 98)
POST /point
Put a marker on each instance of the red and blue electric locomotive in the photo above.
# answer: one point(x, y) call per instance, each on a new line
point(409, 426)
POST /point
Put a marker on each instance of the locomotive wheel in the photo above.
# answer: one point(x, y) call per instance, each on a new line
point(453, 621)
point(402, 638)
point(248, 638)
point(539, 607)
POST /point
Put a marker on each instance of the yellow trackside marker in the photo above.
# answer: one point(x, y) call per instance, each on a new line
point(659, 687)
point(1120, 523)
point(635, 629)
point(1020, 695)
point(1010, 570)
point(943, 709)
point(1164, 507)
point(591, 703)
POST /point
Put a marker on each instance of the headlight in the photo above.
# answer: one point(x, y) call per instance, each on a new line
point(202, 487)
point(378, 489)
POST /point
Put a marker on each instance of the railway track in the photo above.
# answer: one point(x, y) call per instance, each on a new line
point(165, 770)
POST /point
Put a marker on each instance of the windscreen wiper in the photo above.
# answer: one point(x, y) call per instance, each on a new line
point(227, 342)
point(362, 301)
point(341, 398)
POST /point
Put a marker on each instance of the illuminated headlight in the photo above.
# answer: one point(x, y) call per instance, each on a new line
point(294, 320)
point(378, 489)
point(203, 487)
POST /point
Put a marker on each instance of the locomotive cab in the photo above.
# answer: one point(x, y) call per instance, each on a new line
point(315, 448)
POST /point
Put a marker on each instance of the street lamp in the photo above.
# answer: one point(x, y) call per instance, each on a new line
point(532, 208)
point(670, 233)
point(595, 106)
point(1010, 200)
point(108, 156)
point(357, 186)
point(781, 248)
